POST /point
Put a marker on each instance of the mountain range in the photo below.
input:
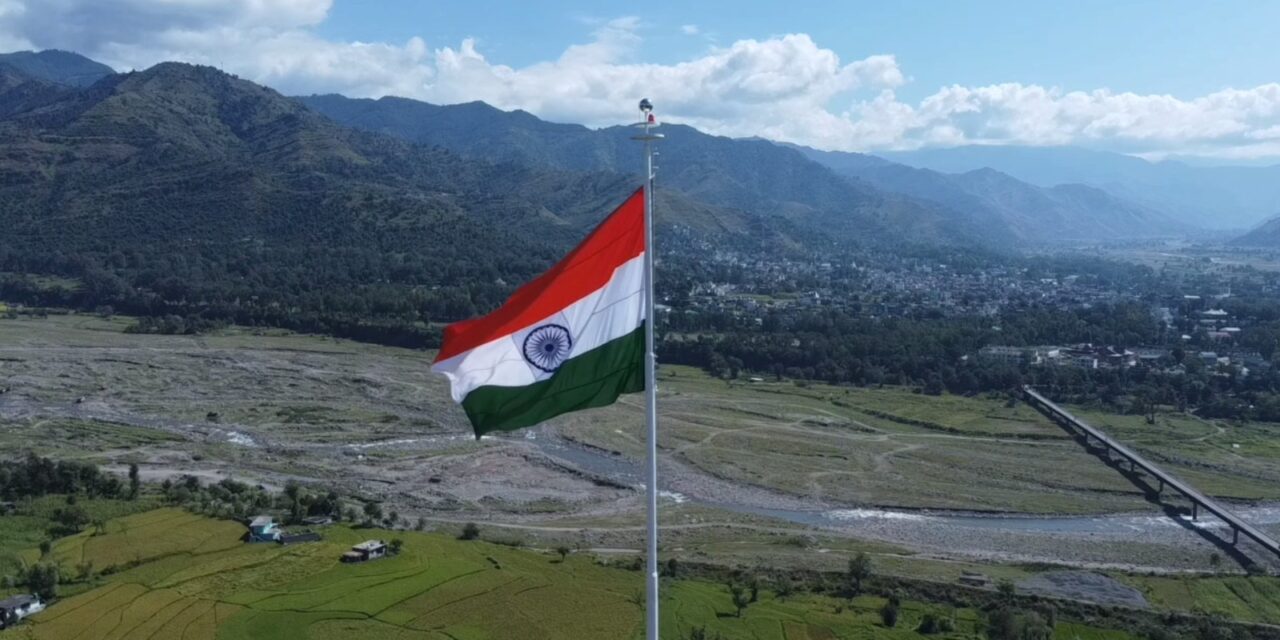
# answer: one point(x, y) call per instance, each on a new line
point(1265, 235)
point(844, 193)
point(1212, 197)
point(754, 176)
point(1070, 213)
point(179, 153)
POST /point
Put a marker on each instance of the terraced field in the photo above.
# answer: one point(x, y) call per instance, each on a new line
point(190, 578)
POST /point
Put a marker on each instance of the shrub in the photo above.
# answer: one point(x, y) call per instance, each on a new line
point(889, 614)
point(470, 531)
point(929, 625)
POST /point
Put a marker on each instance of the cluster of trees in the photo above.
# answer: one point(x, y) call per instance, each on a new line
point(841, 348)
point(1003, 615)
point(937, 355)
point(234, 500)
point(34, 476)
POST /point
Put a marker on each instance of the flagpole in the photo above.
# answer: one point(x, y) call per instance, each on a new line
point(650, 386)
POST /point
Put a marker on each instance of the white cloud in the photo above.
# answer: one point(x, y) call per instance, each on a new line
point(785, 87)
point(689, 29)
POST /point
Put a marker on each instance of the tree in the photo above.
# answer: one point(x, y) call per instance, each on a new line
point(396, 545)
point(421, 524)
point(784, 587)
point(563, 551)
point(933, 386)
point(929, 624)
point(739, 596)
point(470, 531)
point(293, 492)
point(1007, 623)
point(858, 572)
point(135, 483)
point(673, 567)
point(1007, 590)
point(71, 519)
point(43, 580)
point(372, 513)
point(889, 614)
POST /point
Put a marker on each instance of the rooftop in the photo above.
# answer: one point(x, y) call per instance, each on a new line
point(369, 545)
point(13, 602)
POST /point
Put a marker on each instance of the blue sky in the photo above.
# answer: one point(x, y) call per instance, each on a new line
point(1178, 47)
point(1153, 79)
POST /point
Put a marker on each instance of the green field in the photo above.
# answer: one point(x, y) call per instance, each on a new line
point(21, 533)
point(1229, 460)
point(885, 447)
point(893, 447)
point(1251, 599)
point(186, 577)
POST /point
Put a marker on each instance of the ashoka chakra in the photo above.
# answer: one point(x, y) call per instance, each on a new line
point(547, 347)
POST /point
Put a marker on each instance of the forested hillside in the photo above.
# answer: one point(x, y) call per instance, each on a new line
point(184, 191)
point(756, 176)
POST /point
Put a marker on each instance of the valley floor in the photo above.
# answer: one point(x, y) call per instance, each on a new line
point(933, 484)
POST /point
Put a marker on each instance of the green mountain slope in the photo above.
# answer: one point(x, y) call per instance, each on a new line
point(754, 176)
point(184, 190)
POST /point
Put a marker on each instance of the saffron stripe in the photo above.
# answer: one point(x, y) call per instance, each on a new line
point(588, 268)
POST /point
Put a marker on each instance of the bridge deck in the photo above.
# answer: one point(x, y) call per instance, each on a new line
point(1198, 499)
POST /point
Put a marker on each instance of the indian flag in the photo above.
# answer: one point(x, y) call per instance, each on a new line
point(571, 339)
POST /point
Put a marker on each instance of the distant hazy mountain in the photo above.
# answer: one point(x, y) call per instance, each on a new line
point(1065, 213)
point(756, 176)
point(59, 67)
point(1265, 235)
point(1214, 197)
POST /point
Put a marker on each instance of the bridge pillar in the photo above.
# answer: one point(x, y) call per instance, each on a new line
point(1195, 510)
point(1161, 489)
point(1235, 536)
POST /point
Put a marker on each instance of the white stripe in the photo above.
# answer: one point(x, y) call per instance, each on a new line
point(606, 314)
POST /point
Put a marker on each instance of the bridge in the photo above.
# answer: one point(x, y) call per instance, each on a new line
point(1198, 500)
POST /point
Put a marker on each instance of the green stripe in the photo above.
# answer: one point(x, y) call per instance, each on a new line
point(593, 379)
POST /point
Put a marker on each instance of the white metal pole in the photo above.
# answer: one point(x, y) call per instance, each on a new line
point(651, 391)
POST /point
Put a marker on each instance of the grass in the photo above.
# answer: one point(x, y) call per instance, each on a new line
point(1252, 599)
point(896, 448)
point(192, 579)
point(884, 447)
point(1237, 461)
point(22, 532)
